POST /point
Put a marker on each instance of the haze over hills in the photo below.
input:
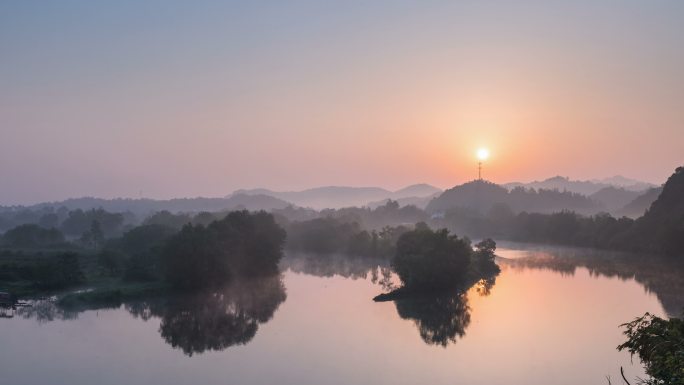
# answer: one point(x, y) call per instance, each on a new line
point(341, 196)
point(614, 198)
point(586, 187)
point(144, 206)
point(482, 196)
point(640, 204)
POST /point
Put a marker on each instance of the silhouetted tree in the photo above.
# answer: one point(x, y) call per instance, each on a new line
point(484, 256)
point(241, 244)
point(431, 259)
point(659, 344)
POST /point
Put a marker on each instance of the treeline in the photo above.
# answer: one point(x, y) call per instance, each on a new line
point(330, 235)
point(72, 224)
point(242, 244)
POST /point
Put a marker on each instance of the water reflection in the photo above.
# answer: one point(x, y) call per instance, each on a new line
point(660, 275)
point(440, 320)
point(193, 323)
point(218, 320)
point(330, 265)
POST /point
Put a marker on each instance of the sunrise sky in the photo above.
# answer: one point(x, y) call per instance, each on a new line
point(172, 98)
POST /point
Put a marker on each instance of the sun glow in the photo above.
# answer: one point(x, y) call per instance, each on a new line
point(482, 153)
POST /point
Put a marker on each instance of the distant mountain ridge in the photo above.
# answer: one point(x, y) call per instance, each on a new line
point(342, 196)
point(144, 206)
point(482, 196)
point(586, 187)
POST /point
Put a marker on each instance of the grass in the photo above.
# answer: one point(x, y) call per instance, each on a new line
point(112, 293)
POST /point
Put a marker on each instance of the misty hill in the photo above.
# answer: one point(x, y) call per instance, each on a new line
point(341, 196)
point(583, 187)
point(626, 183)
point(420, 202)
point(480, 195)
point(640, 204)
point(143, 207)
point(614, 198)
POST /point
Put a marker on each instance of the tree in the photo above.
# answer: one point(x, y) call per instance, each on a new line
point(484, 256)
point(79, 222)
point(33, 236)
point(58, 272)
point(240, 245)
point(111, 261)
point(94, 237)
point(427, 259)
point(659, 344)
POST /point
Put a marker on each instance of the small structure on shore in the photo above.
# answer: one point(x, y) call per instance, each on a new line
point(6, 299)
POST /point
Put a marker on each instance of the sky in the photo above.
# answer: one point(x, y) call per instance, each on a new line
point(176, 98)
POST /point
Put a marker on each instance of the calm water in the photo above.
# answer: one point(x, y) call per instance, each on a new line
point(552, 316)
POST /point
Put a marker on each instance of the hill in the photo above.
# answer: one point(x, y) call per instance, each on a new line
point(614, 198)
point(480, 195)
point(583, 187)
point(640, 204)
point(341, 196)
point(661, 228)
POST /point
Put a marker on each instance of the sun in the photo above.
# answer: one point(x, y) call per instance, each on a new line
point(482, 153)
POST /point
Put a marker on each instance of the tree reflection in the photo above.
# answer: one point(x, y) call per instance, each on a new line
point(484, 286)
point(330, 265)
point(193, 323)
point(45, 311)
point(440, 320)
point(215, 320)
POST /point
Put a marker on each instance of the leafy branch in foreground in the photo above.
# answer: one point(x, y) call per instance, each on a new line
point(659, 343)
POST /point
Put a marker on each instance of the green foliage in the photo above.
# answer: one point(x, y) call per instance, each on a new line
point(111, 261)
point(241, 244)
point(58, 272)
point(427, 259)
point(659, 344)
point(32, 236)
